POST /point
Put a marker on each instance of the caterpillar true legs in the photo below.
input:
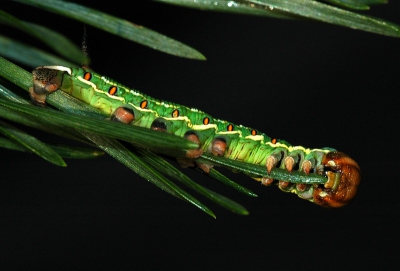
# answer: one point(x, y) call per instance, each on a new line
point(217, 137)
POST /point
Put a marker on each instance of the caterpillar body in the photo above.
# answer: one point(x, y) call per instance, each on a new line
point(215, 136)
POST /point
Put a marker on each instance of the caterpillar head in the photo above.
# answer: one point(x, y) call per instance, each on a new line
point(45, 80)
point(343, 178)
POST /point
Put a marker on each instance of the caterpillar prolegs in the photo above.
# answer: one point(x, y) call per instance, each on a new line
point(216, 137)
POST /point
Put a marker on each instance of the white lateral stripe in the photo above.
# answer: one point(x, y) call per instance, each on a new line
point(204, 127)
point(100, 91)
point(59, 68)
point(255, 138)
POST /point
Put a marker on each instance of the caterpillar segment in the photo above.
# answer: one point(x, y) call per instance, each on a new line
point(217, 137)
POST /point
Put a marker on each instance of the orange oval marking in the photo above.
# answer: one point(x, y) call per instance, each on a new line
point(229, 128)
point(274, 140)
point(144, 104)
point(253, 132)
point(206, 120)
point(175, 113)
point(112, 90)
point(87, 76)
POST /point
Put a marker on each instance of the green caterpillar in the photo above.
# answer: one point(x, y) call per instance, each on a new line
point(217, 137)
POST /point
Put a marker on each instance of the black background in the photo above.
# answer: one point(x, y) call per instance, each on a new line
point(312, 84)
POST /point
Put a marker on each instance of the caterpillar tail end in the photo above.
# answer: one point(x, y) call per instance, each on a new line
point(343, 179)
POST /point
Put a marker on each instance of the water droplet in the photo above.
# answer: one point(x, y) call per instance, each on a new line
point(232, 4)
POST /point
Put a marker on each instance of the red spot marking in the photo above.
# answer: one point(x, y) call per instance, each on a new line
point(274, 141)
point(112, 90)
point(206, 120)
point(175, 113)
point(229, 128)
point(253, 132)
point(143, 104)
point(87, 76)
